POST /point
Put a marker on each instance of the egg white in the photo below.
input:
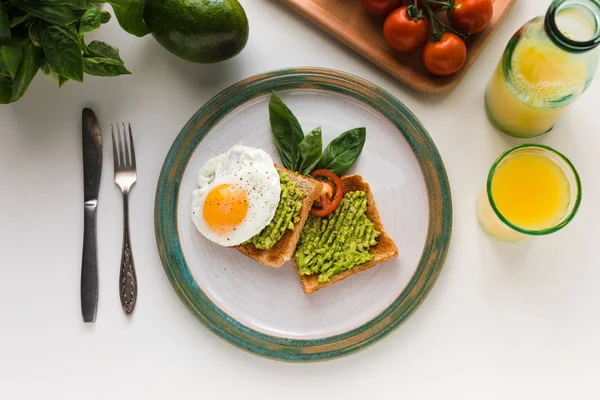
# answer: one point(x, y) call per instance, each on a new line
point(251, 169)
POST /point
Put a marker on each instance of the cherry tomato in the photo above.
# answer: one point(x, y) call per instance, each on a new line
point(471, 15)
point(380, 7)
point(403, 33)
point(331, 195)
point(446, 56)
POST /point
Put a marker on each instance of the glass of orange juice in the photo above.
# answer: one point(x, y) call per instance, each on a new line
point(532, 190)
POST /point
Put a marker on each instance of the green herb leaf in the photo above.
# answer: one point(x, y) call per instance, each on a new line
point(11, 57)
point(62, 49)
point(287, 133)
point(104, 67)
point(103, 50)
point(62, 80)
point(34, 34)
point(49, 72)
point(18, 19)
point(130, 14)
point(311, 148)
point(32, 59)
point(4, 24)
point(5, 90)
point(57, 14)
point(90, 21)
point(343, 151)
point(105, 16)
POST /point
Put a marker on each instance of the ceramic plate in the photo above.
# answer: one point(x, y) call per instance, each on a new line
point(263, 309)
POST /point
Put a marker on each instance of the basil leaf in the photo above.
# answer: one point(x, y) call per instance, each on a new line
point(62, 80)
point(287, 133)
point(19, 19)
point(49, 72)
point(4, 24)
point(62, 49)
point(5, 90)
point(32, 59)
point(105, 17)
point(104, 67)
point(311, 148)
point(343, 151)
point(34, 34)
point(77, 4)
point(90, 21)
point(130, 14)
point(57, 14)
point(103, 50)
point(11, 57)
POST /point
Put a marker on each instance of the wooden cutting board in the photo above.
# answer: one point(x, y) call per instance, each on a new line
point(348, 22)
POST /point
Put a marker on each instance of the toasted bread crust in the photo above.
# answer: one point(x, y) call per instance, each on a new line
point(384, 250)
point(285, 247)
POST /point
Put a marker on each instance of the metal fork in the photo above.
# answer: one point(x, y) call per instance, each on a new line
point(125, 178)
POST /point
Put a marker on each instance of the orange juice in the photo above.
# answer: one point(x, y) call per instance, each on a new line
point(529, 192)
point(547, 64)
point(540, 75)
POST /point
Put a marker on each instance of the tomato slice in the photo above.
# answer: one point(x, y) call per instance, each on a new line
point(331, 195)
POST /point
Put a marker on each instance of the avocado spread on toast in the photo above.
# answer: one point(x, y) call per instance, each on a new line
point(338, 242)
point(286, 215)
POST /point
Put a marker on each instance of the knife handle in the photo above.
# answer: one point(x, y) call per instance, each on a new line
point(89, 264)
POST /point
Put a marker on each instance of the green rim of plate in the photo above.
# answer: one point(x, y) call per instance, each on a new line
point(434, 252)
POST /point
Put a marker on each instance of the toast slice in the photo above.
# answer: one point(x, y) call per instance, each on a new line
point(277, 255)
point(384, 250)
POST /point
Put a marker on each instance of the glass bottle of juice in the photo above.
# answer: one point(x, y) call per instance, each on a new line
point(546, 65)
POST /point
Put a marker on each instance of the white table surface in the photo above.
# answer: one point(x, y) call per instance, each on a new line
point(503, 321)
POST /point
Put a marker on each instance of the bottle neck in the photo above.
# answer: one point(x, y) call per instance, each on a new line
point(574, 25)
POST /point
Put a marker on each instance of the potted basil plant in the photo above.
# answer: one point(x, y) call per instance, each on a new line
point(49, 35)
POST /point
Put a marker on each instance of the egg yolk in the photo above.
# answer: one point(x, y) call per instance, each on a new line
point(225, 207)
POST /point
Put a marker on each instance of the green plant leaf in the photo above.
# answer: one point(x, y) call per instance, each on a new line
point(90, 21)
point(57, 14)
point(311, 148)
point(287, 132)
point(5, 90)
point(4, 25)
point(104, 67)
point(130, 14)
point(76, 4)
point(62, 49)
point(343, 151)
point(103, 50)
point(34, 34)
point(11, 57)
point(18, 19)
point(49, 72)
point(62, 80)
point(104, 16)
point(32, 60)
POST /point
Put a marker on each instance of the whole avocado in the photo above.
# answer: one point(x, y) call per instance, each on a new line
point(202, 31)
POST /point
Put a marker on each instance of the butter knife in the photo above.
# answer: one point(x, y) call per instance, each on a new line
point(92, 169)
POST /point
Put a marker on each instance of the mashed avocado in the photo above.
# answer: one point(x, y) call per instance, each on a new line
point(286, 215)
point(337, 242)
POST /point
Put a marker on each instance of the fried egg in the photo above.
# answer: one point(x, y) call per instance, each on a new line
point(238, 193)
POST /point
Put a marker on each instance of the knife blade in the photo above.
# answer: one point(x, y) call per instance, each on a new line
point(92, 171)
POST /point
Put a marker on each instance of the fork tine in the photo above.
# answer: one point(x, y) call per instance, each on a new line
point(131, 147)
point(119, 145)
point(126, 146)
point(114, 144)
